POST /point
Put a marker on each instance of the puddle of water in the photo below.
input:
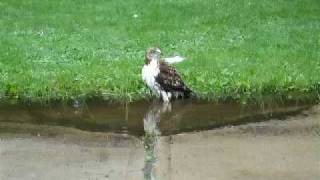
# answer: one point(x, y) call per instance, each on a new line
point(184, 116)
point(97, 117)
point(151, 119)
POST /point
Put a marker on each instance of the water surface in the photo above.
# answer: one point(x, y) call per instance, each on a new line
point(180, 116)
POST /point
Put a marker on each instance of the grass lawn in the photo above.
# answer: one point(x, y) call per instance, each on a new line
point(67, 49)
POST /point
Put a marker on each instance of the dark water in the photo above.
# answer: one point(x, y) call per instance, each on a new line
point(179, 116)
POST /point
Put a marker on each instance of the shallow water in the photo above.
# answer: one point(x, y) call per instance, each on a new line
point(151, 120)
point(180, 116)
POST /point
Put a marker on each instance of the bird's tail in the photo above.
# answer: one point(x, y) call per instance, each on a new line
point(188, 93)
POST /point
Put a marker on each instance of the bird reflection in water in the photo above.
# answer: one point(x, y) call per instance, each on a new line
point(151, 122)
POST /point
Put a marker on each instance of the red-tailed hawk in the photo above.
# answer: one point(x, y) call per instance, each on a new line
point(162, 78)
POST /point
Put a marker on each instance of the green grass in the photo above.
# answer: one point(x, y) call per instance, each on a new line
point(66, 49)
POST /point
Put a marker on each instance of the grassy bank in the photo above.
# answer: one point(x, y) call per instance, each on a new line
point(67, 49)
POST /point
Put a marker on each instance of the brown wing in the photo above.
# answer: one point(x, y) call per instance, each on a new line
point(169, 79)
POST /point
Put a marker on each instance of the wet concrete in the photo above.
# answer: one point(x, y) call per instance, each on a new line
point(57, 146)
point(73, 154)
point(286, 150)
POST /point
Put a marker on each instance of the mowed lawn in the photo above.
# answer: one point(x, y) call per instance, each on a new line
point(247, 49)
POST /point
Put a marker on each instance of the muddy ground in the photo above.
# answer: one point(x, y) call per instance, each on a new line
point(276, 149)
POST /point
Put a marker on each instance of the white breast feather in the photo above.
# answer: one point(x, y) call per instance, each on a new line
point(149, 74)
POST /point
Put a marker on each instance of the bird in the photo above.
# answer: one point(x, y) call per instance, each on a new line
point(162, 78)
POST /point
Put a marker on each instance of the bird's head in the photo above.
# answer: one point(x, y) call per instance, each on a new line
point(152, 54)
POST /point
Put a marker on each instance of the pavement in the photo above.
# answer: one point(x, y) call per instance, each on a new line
point(287, 149)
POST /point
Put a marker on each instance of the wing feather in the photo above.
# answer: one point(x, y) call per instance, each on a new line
point(169, 79)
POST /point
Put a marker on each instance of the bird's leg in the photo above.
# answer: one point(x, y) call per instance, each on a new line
point(165, 96)
point(169, 95)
